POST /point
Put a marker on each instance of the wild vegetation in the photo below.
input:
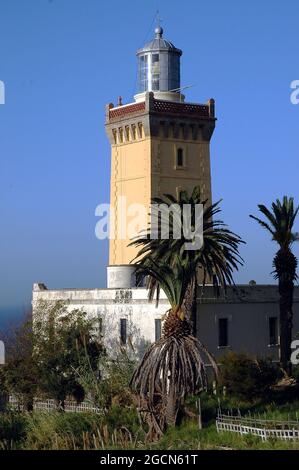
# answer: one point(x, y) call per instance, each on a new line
point(44, 358)
point(120, 428)
point(248, 383)
point(154, 403)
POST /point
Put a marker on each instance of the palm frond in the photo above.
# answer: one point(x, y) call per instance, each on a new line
point(218, 258)
point(280, 221)
point(263, 224)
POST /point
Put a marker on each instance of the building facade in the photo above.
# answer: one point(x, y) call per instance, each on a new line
point(246, 320)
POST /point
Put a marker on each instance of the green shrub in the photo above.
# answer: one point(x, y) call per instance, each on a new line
point(114, 388)
point(246, 378)
point(295, 373)
point(120, 416)
point(12, 426)
point(209, 405)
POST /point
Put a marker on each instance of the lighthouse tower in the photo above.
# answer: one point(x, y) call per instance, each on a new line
point(159, 144)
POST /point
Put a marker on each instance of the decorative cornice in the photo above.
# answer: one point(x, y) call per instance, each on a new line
point(160, 107)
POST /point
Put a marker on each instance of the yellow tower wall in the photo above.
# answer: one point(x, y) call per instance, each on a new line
point(145, 137)
point(130, 178)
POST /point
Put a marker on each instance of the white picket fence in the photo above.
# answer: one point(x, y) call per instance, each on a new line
point(263, 428)
point(51, 405)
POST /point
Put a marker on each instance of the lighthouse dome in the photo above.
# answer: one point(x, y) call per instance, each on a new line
point(159, 66)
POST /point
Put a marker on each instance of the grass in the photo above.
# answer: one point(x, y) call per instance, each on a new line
point(188, 437)
point(41, 430)
point(120, 429)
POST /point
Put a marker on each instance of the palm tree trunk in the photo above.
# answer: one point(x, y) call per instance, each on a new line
point(286, 292)
point(189, 304)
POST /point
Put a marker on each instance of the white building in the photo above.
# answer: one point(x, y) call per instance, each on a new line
point(245, 321)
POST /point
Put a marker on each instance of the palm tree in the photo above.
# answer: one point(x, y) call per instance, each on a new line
point(280, 222)
point(173, 366)
point(214, 262)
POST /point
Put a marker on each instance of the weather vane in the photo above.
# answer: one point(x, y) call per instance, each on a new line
point(159, 21)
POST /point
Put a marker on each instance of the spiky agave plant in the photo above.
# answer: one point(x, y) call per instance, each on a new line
point(280, 223)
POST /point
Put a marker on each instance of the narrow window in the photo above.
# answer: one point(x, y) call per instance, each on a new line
point(157, 329)
point(100, 326)
point(180, 157)
point(123, 331)
point(140, 130)
point(127, 133)
point(155, 63)
point(143, 73)
point(222, 332)
point(121, 135)
point(273, 331)
point(155, 72)
point(134, 131)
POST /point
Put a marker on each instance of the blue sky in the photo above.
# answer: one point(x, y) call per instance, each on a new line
point(63, 60)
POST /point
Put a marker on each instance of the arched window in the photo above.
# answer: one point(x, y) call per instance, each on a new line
point(180, 157)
